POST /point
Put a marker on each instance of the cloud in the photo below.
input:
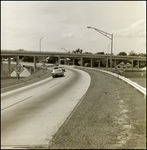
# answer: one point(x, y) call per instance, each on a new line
point(137, 29)
point(67, 35)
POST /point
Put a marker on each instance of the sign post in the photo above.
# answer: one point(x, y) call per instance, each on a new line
point(19, 69)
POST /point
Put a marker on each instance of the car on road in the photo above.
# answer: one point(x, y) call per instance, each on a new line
point(57, 73)
point(60, 67)
point(63, 69)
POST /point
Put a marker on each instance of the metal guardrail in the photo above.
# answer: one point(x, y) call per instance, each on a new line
point(135, 85)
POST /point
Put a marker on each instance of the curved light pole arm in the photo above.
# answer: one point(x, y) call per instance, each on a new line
point(111, 38)
point(64, 49)
point(102, 32)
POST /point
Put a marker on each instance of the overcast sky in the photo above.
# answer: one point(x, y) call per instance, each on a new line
point(63, 24)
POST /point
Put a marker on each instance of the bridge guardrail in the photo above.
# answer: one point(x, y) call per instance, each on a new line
point(135, 85)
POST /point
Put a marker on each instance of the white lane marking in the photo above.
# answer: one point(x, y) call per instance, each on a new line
point(38, 126)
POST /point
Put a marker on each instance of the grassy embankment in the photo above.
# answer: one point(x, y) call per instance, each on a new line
point(8, 81)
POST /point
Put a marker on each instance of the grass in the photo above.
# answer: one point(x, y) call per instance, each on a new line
point(8, 81)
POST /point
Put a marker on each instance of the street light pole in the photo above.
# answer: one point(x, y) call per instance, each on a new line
point(40, 44)
point(64, 49)
point(110, 36)
point(108, 48)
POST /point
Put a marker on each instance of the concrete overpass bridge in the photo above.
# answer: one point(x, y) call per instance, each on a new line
point(98, 58)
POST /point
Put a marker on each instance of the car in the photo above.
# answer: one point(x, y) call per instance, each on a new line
point(63, 69)
point(55, 68)
point(57, 73)
point(60, 67)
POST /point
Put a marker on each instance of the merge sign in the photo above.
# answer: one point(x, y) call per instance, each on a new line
point(121, 67)
point(19, 69)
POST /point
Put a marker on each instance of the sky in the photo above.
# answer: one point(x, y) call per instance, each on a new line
point(63, 26)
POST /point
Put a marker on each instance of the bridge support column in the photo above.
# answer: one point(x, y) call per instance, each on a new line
point(9, 67)
point(138, 64)
point(34, 64)
point(65, 61)
point(1, 64)
point(59, 60)
point(115, 64)
point(17, 62)
point(132, 64)
point(91, 63)
point(81, 61)
point(73, 61)
point(99, 66)
point(106, 63)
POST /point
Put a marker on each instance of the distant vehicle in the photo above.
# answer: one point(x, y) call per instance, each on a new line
point(63, 69)
point(60, 67)
point(57, 73)
point(5, 59)
point(55, 68)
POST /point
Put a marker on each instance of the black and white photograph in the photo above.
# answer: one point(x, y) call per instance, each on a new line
point(73, 74)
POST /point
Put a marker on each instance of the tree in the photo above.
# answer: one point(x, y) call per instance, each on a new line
point(122, 53)
point(132, 53)
point(142, 54)
point(77, 51)
point(100, 53)
point(87, 53)
point(21, 50)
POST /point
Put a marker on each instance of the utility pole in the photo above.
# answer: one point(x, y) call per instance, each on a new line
point(40, 44)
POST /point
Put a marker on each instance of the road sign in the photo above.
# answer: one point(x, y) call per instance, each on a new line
point(80, 62)
point(19, 69)
point(121, 67)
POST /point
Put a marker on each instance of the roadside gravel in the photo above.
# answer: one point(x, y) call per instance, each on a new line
point(111, 115)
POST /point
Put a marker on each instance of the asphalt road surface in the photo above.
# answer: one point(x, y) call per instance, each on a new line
point(31, 115)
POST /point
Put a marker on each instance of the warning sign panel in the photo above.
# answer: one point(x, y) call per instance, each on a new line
point(121, 67)
point(19, 69)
